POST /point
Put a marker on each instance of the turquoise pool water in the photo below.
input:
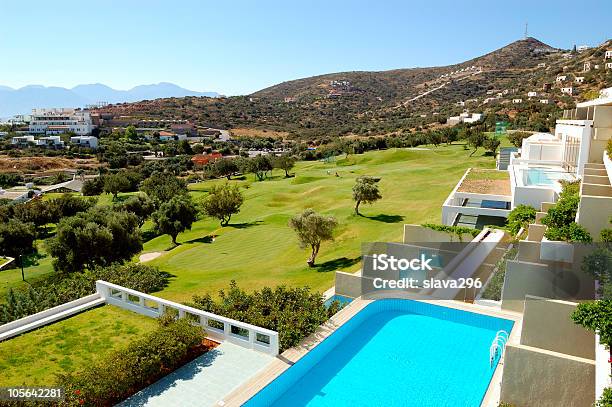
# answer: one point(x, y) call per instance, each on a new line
point(340, 298)
point(545, 176)
point(394, 353)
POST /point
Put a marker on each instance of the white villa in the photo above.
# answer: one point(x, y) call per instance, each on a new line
point(85, 141)
point(534, 172)
point(464, 118)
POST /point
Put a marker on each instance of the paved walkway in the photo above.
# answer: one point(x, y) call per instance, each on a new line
point(203, 381)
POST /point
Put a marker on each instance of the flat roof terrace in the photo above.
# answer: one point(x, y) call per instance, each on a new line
point(480, 194)
point(487, 182)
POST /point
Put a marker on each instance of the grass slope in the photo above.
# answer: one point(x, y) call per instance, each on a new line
point(34, 358)
point(259, 249)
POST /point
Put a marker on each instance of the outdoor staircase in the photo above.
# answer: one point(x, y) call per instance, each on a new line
point(503, 160)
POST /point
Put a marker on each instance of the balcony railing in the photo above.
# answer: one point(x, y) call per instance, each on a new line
point(217, 327)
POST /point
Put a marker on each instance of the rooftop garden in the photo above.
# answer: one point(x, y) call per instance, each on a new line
point(482, 181)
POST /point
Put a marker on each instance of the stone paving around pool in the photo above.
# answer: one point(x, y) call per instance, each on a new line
point(203, 381)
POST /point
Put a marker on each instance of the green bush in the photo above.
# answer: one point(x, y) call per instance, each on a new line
point(53, 292)
point(520, 217)
point(596, 316)
point(452, 230)
point(606, 398)
point(294, 313)
point(560, 219)
point(141, 363)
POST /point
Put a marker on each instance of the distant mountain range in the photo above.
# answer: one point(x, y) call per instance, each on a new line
point(23, 100)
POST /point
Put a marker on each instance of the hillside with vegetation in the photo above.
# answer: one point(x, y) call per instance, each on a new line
point(402, 100)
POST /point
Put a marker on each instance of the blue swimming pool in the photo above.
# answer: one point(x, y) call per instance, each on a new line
point(394, 353)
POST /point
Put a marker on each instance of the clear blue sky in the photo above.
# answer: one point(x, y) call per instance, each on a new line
point(240, 46)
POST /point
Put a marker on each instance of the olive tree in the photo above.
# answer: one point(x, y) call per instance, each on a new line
point(222, 202)
point(175, 216)
point(284, 162)
point(365, 190)
point(312, 229)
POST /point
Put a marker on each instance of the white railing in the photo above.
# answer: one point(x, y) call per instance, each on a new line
point(217, 328)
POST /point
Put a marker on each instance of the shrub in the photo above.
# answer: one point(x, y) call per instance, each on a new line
point(520, 217)
point(605, 399)
point(596, 316)
point(560, 219)
point(50, 293)
point(124, 372)
point(294, 313)
point(452, 230)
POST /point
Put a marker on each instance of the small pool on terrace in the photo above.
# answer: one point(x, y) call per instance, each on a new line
point(545, 176)
point(394, 353)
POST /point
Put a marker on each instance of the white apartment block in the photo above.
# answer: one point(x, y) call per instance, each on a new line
point(561, 78)
point(608, 54)
point(59, 121)
point(608, 65)
point(532, 94)
point(568, 90)
point(517, 101)
point(586, 67)
point(579, 79)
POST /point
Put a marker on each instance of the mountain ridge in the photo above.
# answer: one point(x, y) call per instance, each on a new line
point(22, 100)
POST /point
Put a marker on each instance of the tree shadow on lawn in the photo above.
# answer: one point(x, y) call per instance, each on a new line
point(245, 225)
point(336, 264)
point(203, 239)
point(386, 218)
point(148, 235)
point(29, 260)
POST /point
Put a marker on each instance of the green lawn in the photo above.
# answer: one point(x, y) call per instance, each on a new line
point(37, 267)
point(259, 249)
point(34, 358)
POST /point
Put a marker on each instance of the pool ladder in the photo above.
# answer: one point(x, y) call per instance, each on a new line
point(497, 346)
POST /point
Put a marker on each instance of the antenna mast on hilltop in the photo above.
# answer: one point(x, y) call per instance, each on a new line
point(526, 27)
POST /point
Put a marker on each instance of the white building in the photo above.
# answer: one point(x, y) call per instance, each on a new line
point(535, 171)
point(85, 141)
point(542, 65)
point(532, 94)
point(568, 90)
point(50, 142)
point(561, 78)
point(464, 118)
point(608, 65)
point(586, 67)
point(545, 101)
point(582, 48)
point(58, 121)
point(23, 141)
point(517, 101)
point(608, 54)
point(579, 79)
